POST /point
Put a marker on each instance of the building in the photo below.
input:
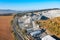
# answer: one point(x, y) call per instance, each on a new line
point(48, 37)
point(35, 33)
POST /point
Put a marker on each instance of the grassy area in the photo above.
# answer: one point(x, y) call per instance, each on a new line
point(52, 25)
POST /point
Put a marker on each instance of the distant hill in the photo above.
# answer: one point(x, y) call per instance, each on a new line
point(8, 11)
point(3, 11)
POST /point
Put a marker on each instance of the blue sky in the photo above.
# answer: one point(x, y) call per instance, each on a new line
point(29, 4)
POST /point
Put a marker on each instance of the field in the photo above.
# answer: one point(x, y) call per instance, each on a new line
point(5, 28)
point(52, 26)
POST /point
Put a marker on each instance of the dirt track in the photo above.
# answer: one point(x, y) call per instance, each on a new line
point(5, 28)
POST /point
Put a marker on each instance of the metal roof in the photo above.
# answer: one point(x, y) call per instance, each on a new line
point(48, 37)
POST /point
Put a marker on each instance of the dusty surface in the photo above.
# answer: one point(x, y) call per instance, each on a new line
point(5, 28)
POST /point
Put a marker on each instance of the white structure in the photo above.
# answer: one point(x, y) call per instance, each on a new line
point(35, 33)
point(48, 37)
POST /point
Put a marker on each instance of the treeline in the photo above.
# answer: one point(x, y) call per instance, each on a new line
point(9, 14)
